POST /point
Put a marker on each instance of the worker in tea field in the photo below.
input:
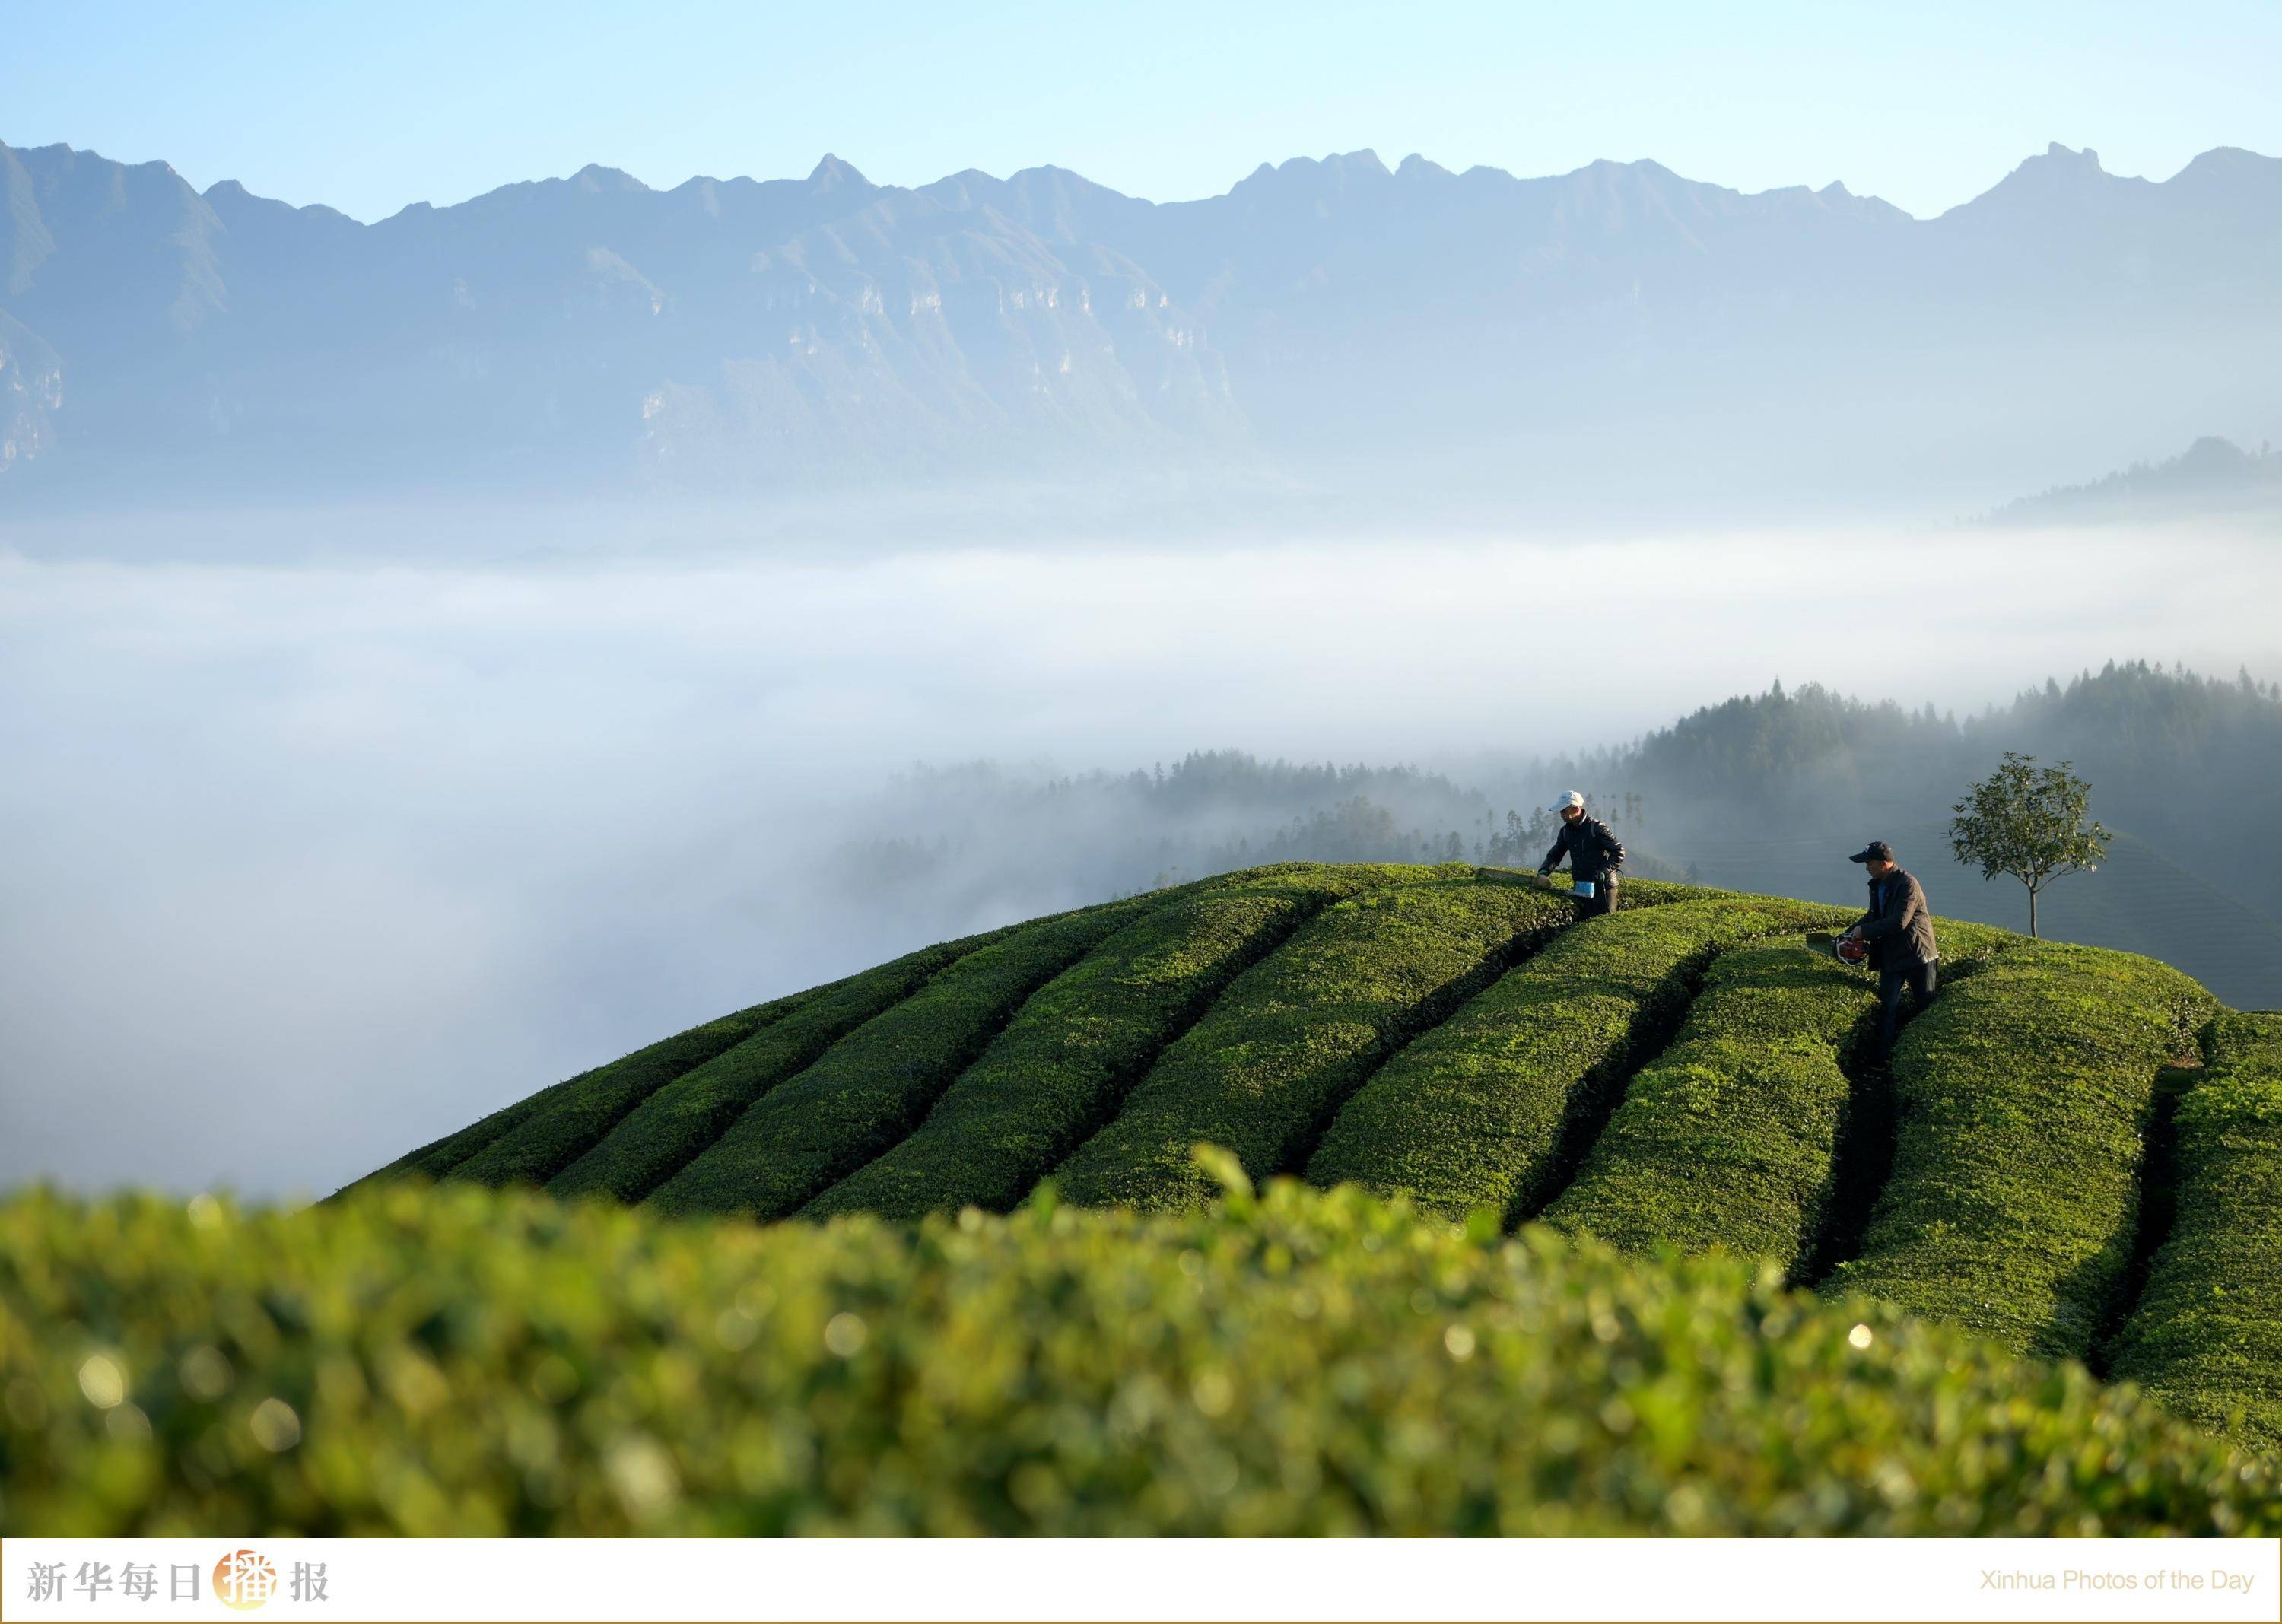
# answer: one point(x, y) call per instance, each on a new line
point(1897, 931)
point(1595, 854)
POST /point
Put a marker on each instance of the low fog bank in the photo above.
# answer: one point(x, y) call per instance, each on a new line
point(1552, 501)
point(310, 864)
point(1200, 515)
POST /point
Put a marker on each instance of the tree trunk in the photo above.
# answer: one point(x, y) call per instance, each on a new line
point(2032, 913)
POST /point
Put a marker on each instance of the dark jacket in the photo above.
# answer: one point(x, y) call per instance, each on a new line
point(1898, 926)
point(1592, 851)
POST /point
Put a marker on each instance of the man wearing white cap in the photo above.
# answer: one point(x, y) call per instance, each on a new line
point(1594, 854)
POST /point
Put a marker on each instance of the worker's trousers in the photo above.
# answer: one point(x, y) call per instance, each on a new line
point(1919, 979)
point(1602, 901)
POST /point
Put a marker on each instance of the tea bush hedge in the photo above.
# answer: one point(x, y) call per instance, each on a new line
point(2206, 1337)
point(463, 1360)
point(439, 1156)
point(2023, 1095)
point(578, 1115)
point(667, 1129)
point(596, 1092)
point(869, 1089)
point(1294, 1035)
point(1060, 1070)
point(1492, 1106)
point(1730, 1138)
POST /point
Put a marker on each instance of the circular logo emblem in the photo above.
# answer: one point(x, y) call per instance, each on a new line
point(244, 1580)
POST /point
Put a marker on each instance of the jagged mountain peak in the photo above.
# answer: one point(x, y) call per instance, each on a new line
point(1338, 167)
point(832, 170)
point(237, 208)
point(2059, 178)
point(602, 177)
point(2056, 167)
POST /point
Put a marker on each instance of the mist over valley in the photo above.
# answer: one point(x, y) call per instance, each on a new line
point(365, 849)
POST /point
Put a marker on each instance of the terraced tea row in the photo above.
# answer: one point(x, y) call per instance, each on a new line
point(2206, 1335)
point(576, 1115)
point(1062, 1069)
point(866, 1091)
point(596, 1092)
point(1496, 1106)
point(1739, 1134)
point(2023, 1095)
point(678, 1121)
point(1730, 1138)
point(1292, 1037)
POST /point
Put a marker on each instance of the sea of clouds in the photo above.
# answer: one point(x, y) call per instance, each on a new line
point(308, 862)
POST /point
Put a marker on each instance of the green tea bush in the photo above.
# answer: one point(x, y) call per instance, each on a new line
point(439, 1156)
point(572, 1117)
point(2023, 1095)
point(2206, 1338)
point(1491, 1107)
point(1293, 1036)
point(592, 1094)
point(1730, 1138)
point(463, 1360)
point(1060, 1071)
point(869, 1089)
point(667, 1129)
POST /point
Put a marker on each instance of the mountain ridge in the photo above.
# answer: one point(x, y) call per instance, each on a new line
point(2213, 478)
point(1324, 314)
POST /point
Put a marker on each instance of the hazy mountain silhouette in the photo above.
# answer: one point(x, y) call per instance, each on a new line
point(1619, 333)
point(2211, 478)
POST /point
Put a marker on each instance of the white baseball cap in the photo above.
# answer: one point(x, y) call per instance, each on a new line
point(1567, 801)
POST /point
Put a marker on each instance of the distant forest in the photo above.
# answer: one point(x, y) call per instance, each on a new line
point(2123, 721)
point(2195, 758)
point(2158, 745)
point(1764, 791)
point(1767, 793)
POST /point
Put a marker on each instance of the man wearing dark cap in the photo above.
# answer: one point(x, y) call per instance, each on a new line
point(1899, 931)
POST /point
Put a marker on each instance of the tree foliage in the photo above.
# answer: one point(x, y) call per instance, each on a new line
point(2030, 822)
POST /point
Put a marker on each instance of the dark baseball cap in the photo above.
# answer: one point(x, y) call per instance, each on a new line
point(1877, 852)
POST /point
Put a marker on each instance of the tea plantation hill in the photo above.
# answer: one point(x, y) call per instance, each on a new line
point(1599, 1228)
point(2076, 1152)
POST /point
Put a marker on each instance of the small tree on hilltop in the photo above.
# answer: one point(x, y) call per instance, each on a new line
point(2028, 822)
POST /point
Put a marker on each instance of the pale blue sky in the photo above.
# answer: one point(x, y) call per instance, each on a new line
point(369, 107)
